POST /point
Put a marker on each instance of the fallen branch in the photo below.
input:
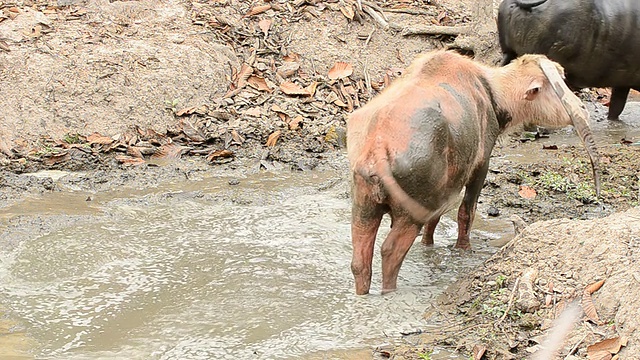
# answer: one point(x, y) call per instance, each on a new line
point(436, 30)
point(377, 17)
point(376, 8)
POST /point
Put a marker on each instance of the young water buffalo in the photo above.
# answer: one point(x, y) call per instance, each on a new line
point(415, 146)
point(596, 41)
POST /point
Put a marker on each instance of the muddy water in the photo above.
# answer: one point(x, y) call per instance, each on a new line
point(204, 270)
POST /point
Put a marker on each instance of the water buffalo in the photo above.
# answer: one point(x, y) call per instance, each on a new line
point(596, 41)
point(429, 134)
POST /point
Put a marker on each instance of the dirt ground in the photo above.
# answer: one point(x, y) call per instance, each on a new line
point(135, 93)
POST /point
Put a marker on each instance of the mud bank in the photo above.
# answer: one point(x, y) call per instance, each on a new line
point(508, 305)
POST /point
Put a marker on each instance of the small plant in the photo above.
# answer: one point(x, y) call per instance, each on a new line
point(425, 356)
point(493, 309)
point(171, 105)
point(554, 181)
point(72, 138)
point(45, 150)
point(500, 280)
point(582, 192)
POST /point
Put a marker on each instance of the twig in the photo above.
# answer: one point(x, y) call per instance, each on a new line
point(408, 11)
point(367, 80)
point(233, 93)
point(573, 349)
point(511, 297)
point(377, 17)
point(436, 30)
point(369, 37)
point(359, 4)
point(376, 8)
point(313, 66)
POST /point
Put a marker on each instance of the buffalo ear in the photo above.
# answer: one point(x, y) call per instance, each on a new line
point(533, 90)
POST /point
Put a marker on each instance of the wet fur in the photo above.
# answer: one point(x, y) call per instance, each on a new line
point(413, 148)
point(595, 40)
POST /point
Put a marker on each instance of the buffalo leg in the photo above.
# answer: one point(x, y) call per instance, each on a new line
point(429, 229)
point(366, 215)
point(394, 249)
point(363, 237)
point(617, 102)
point(467, 209)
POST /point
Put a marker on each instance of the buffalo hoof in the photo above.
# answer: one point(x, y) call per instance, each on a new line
point(386, 291)
point(464, 245)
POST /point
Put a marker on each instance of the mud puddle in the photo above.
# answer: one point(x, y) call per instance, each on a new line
point(201, 270)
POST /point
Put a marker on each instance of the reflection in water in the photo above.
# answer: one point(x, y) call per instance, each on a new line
point(262, 273)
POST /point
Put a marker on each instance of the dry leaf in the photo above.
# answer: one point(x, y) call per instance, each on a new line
point(610, 346)
point(243, 75)
point(258, 83)
point(135, 152)
point(291, 88)
point(340, 70)
point(96, 138)
point(265, 25)
point(186, 111)
point(347, 11)
point(193, 133)
point(276, 108)
point(441, 16)
point(219, 154)
point(594, 287)
point(291, 57)
point(4, 46)
point(599, 355)
point(547, 300)
point(254, 111)
point(605, 349)
point(288, 68)
point(560, 306)
point(237, 138)
point(589, 308)
point(311, 89)
point(258, 10)
point(478, 351)
point(340, 103)
point(57, 158)
point(129, 161)
point(168, 151)
point(273, 138)
point(527, 192)
point(296, 123)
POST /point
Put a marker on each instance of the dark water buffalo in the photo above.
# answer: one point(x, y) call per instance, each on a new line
point(596, 41)
point(415, 146)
